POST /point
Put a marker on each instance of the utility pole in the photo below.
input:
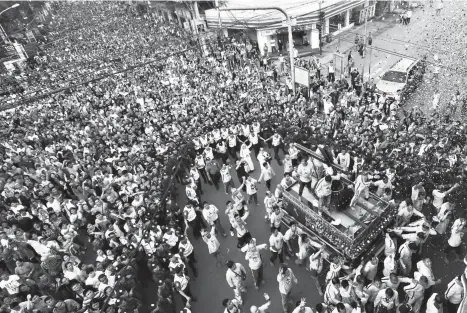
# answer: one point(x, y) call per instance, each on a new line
point(365, 42)
point(320, 28)
point(219, 15)
point(289, 27)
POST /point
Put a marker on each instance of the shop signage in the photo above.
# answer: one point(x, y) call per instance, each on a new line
point(269, 32)
point(293, 22)
point(302, 27)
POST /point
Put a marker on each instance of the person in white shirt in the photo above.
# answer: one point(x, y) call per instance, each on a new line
point(221, 149)
point(209, 237)
point(253, 256)
point(386, 300)
point(304, 245)
point(454, 294)
point(332, 295)
point(251, 189)
point(276, 245)
point(434, 304)
point(267, 173)
point(438, 196)
point(211, 215)
point(232, 145)
point(361, 185)
point(288, 165)
point(453, 248)
point(188, 255)
point(300, 307)
point(276, 217)
point(201, 166)
point(263, 308)
point(315, 267)
point(323, 191)
point(232, 306)
point(181, 283)
point(405, 213)
point(11, 283)
point(424, 268)
point(342, 308)
point(236, 276)
point(277, 143)
point(269, 201)
point(408, 16)
point(193, 219)
point(382, 184)
point(291, 238)
point(285, 278)
point(304, 173)
point(343, 159)
point(239, 225)
point(245, 155)
point(227, 178)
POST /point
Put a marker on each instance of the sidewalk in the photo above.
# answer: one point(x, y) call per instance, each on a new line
point(345, 41)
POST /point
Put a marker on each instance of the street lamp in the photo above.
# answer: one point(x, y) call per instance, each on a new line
point(12, 7)
point(4, 35)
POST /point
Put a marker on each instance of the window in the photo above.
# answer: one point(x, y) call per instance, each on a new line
point(396, 77)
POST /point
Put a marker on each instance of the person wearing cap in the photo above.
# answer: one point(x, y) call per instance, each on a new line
point(263, 308)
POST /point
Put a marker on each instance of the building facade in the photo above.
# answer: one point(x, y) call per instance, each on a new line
point(312, 21)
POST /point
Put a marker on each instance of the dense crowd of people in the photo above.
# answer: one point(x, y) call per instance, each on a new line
point(88, 174)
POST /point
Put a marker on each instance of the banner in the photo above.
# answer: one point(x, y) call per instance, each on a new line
point(302, 76)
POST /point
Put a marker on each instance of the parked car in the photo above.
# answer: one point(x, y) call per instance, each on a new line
point(402, 78)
